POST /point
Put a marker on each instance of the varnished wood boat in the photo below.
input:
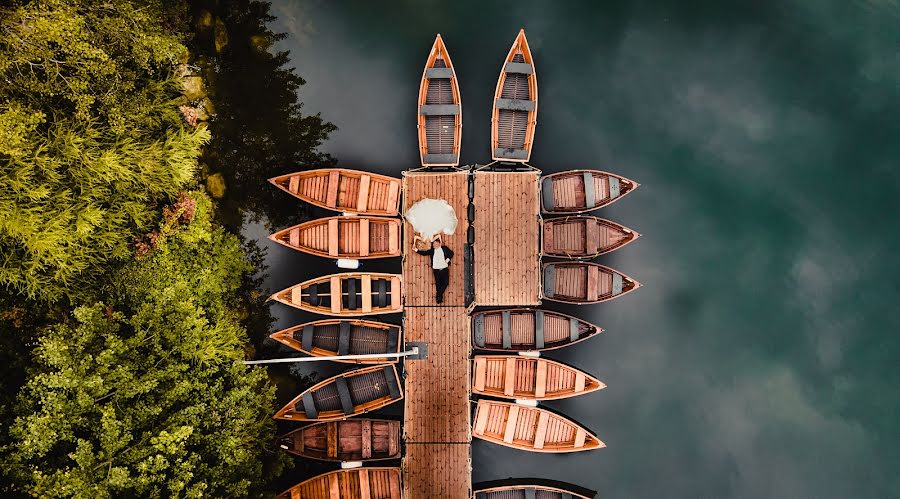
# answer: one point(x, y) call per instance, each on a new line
point(578, 191)
point(357, 483)
point(584, 236)
point(340, 189)
point(529, 489)
point(526, 329)
point(514, 116)
point(349, 293)
point(440, 110)
point(357, 238)
point(348, 394)
point(527, 378)
point(331, 337)
point(584, 282)
point(349, 440)
point(530, 428)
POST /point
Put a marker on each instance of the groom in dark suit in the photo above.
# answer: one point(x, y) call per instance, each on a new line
point(440, 265)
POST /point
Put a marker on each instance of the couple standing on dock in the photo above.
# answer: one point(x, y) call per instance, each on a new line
point(440, 265)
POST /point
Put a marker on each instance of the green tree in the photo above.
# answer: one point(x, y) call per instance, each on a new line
point(144, 395)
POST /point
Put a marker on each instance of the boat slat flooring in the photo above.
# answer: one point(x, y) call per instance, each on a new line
point(417, 275)
point(507, 261)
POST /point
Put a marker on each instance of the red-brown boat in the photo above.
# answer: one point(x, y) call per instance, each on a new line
point(346, 190)
point(528, 329)
point(530, 428)
point(584, 282)
point(528, 378)
point(584, 236)
point(514, 116)
point(578, 191)
point(334, 337)
point(440, 110)
point(350, 440)
point(357, 238)
point(357, 483)
point(349, 293)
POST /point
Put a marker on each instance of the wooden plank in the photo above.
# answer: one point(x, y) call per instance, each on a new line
point(331, 436)
point(334, 486)
point(394, 485)
point(333, 184)
point(333, 237)
point(366, 439)
point(365, 489)
point(294, 237)
point(511, 419)
point(395, 293)
point(579, 382)
point(393, 196)
point(364, 237)
point(540, 379)
point(296, 295)
point(580, 437)
point(393, 238)
point(336, 294)
point(593, 282)
point(541, 433)
point(480, 373)
point(294, 184)
point(362, 202)
point(366, 293)
point(509, 382)
point(481, 420)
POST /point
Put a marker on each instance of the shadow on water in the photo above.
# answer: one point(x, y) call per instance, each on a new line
point(759, 359)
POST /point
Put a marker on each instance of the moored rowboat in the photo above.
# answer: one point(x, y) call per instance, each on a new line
point(583, 236)
point(528, 488)
point(341, 189)
point(440, 110)
point(578, 191)
point(357, 238)
point(514, 116)
point(347, 394)
point(358, 483)
point(349, 440)
point(530, 428)
point(526, 329)
point(332, 337)
point(349, 293)
point(584, 282)
point(526, 378)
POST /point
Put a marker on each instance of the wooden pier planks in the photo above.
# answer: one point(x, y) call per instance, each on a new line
point(507, 260)
point(453, 188)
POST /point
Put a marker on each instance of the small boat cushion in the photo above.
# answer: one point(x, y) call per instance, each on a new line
point(616, 284)
point(393, 339)
point(547, 193)
point(439, 109)
point(506, 153)
point(312, 296)
point(307, 341)
point(507, 329)
point(549, 280)
point(439, 73)
point(393, 387)
point(515, 104)
point(344, 393)
point(529, 493)
point(351, 294)
point(308, 406)
point(590, 197)
point(381, 287)
point(573, 329)
point(522, 68)
point(539, 329)
point(478, 329)
point(344, 338)
point(613, 187)
point(440, 159)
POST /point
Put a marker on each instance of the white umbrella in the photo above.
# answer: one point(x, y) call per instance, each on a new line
point(430, 217)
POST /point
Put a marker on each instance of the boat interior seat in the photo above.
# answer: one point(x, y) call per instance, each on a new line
point(506, 153)
point(439, 109)
point(440, 159)
point(518, 67)
point(432, 73)
point(351, 301)
point(344, 338)
point(312, 295)
point(529, 493)
point(549, 280)
point(538, 329)
point(590, 197)
point(616, 284)
point(308, 406)
point(381, 289)
point(547, 193)
point(344, 393)
point(306, 342)
point(516, 104)
point(574, 332)
point(478, 329)
point(393, 339)
point(613, 187)
point(565, 495)
point(391, 378)
point(507, 329)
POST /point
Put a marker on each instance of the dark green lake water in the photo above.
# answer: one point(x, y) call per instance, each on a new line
point(761, 359)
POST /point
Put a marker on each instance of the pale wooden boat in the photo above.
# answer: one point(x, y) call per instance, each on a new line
point(584, 282)
point(440, 110)
point(528, 329)
point(349, 293)
point(514, 116)
point(332, 337)
point(357, 483)
point(348, 394)
point(530, 428)
point(346, 190)
point(528, 378)
point(584, 236)
point(357, 238)
point(350, 440)
point(529, 489)
point(578, 191)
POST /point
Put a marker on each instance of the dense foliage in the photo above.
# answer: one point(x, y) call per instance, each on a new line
point(90, 139)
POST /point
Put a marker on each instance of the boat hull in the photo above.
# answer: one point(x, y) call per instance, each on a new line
point(357, 238)
point(345, 395)
point(527, 378)
point(579, 191)
point(350, 440)
point(526, 329)
point(584, 282)
point(530, 429)
point(514, 115)
point(529, 488)
point(374, 483)
point(344, 190)
point(440, 110)
point(334, 337)
point(583, 236)
point(346, 294)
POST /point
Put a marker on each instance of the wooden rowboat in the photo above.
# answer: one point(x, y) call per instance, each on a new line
point(357, 483)
point(514, 116)
point(578, 191)
point(349, 293)
point(440, 110)
point(348, 394)
point(340, 189)
point(526, 378)
point(350, 440)
point(584, 236)
point(529, 489)
point(357, 238)
point(584, 282)
point(528, 329)
point(331, 337)
point(530, 428)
